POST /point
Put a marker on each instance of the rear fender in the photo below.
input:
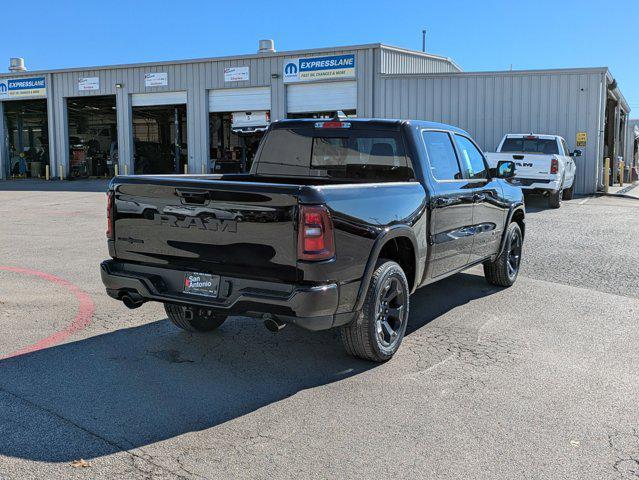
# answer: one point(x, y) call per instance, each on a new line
point(392, 232)
point(511, 213)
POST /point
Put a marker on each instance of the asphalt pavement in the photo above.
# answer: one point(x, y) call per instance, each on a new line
point(536, 381)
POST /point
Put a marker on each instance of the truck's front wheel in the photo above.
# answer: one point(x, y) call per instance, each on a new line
point(193, 319)
point(377, 331)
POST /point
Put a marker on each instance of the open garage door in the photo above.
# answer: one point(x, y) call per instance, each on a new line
point(238, 118)
point(240, 99)
point(159, 132)
point(158, 98)
point(311, 98)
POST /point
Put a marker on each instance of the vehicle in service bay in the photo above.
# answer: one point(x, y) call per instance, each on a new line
point(336, 224)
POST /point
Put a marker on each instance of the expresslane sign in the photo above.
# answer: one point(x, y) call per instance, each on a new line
point(23, 87)
point(319, 68)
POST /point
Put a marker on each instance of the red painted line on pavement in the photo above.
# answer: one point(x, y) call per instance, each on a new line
point(83, 318)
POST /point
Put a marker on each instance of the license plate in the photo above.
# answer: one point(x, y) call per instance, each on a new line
point(201, 284)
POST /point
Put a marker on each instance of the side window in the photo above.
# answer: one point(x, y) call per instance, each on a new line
point(441, 156)
point(472, 158)
point(563, 144)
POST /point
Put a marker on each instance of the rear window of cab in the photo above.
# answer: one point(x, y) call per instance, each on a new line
point(544, 146)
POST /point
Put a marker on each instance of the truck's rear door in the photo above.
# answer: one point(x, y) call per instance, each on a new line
point(227, 227)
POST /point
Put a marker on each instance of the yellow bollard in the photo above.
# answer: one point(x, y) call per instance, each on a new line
point(117, 168)
point(621, 172)
point(203, 169)
point(46, 172)
point(606, 175)
point(186, 169)
point(126, 168)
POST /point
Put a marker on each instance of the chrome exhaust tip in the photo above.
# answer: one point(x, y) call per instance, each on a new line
point(132, 300)
point(273, 324)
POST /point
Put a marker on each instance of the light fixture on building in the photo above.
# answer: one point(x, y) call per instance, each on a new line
point(119, 85)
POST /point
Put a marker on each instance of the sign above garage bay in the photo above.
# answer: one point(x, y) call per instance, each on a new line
point(23, 87)
point(319, 68)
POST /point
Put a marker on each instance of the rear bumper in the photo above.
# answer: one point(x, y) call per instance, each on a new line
point(312, 307)
point(538, 184)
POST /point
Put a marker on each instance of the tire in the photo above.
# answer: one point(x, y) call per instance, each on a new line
point(378, 330)
point(568, 192)
point(504, 270)
point(554, 198)
point(201, 321)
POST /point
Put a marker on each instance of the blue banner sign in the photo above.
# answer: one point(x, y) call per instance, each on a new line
point(319, 68)
point(23, 87)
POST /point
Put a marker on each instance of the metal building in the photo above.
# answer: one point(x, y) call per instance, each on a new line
point(207, 115)
point(584, 106)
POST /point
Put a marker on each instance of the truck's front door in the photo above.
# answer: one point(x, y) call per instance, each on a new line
point(489, 213)
point(451, 205)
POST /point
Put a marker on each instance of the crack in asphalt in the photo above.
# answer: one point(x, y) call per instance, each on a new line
point(626, 447)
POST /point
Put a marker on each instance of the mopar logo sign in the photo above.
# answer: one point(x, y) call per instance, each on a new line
point(319, 68)
point(290, 69)
point(23, 87)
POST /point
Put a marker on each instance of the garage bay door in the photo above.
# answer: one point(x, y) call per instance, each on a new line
point(240, 99)
point(158, 98)
point(318, 97)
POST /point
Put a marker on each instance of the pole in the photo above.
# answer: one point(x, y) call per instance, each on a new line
point(46, 172)
point(424, 40)
point(116, 168)
point(622, 167)
point(606, 175)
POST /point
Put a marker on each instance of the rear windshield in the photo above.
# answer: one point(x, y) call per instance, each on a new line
point(531, 145)
point(370, 155)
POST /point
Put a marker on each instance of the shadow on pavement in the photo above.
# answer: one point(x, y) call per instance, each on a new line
point(137, 386)
point(28, 185)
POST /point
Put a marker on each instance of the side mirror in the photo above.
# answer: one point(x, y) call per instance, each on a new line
point(505, 169)
point(576, 153)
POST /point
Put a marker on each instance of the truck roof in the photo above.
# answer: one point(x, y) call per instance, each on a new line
point(376, 122)
point(538, 135)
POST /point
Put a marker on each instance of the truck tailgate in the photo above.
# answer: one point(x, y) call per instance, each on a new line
point(529, 165)
point(222, 227)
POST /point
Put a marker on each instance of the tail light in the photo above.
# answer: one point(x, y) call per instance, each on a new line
point(110, 206)
point(554, 165)
point(315, 239)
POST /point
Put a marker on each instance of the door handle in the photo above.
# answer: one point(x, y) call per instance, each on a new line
point(443, 201)
point(479, 197)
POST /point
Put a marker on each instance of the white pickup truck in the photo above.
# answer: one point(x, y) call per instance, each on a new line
point(544, 164)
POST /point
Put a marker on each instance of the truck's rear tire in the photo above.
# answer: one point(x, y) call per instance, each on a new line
point(554, 198)
point(568, 192)
point(377, 331)
point(504, 270)
point(193, 319)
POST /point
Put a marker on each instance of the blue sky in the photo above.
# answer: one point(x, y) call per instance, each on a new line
point(478, 35)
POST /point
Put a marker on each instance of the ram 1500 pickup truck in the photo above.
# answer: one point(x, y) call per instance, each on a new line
point(336, 224)
point(544, 164)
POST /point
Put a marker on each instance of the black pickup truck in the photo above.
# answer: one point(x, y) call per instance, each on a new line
point(337, 223)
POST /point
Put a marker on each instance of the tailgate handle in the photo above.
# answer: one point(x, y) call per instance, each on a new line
point(518, 157)
point(195, 197)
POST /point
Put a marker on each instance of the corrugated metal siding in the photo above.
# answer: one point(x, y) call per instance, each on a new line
point(399, 62)
point(490, 105)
